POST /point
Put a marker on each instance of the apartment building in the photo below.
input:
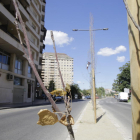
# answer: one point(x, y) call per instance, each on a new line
point(50, 69)
point(17, 81)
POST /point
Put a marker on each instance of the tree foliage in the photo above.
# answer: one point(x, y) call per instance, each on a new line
point(86, 91)
point(51, 86)
point(100, 91)
point(123, 79)
point(75, 90)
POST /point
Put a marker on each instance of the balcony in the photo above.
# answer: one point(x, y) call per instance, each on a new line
point(34, 46)
point(36, 62)
point(42, 22)
point(25, 3)
point(39, 67)
point(42, 33)
point(35, 20)
point(23, 11)
point(41, 40)
point(35, 6)
point(32, 30)
point(41, 43)
point(43, 46)
point(43, 3)
point(43, 13)
point(40, 55)
point(28, 1)
point(10, 43)
point(4, 13)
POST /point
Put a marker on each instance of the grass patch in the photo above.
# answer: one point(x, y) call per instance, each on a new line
point(129, 100)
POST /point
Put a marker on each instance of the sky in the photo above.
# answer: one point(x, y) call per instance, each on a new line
point(111, 46)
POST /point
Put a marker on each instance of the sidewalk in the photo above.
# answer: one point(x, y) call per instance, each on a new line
point(86, 129)
point(17, 105)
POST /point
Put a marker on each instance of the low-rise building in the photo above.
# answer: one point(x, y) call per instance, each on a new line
point(108, 91)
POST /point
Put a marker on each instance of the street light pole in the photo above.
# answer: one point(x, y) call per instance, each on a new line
point(89, 30)
point(92, 63)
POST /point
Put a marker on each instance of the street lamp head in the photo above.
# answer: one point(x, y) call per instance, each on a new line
point(105, 28)
point(75, 29)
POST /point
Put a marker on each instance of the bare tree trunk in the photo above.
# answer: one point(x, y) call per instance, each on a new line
point(69, 127)
point(29, 58)
point(31, 62)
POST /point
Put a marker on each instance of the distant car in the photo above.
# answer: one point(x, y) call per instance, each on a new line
point(123, 96)
point(97, 97)
point(88, 97)
point(58, 98)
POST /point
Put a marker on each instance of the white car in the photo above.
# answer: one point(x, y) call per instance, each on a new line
point(123, 96)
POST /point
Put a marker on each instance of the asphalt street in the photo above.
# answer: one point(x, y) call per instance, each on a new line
point(21, 123)
point(120, 114)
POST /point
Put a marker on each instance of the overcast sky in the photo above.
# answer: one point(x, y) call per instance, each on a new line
point(111, 46)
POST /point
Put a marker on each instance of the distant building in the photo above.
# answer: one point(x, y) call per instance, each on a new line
point(50, 69)
point(17, 81)
point(108, 91)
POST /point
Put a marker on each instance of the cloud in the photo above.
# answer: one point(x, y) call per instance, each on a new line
point(109, 51)
point(61, 38)
point(78, 82)
point(121, 58)
point(73, 48)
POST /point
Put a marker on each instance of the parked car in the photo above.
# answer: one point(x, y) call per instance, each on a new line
point(123, 96)
point(88, 97)
point(97, 97)
point(58, 98)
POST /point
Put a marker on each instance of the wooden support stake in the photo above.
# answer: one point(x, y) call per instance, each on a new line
point(94, 95)
point(134, 45)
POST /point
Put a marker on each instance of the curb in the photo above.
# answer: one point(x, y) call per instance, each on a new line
point(12, 107)
point(75, 127)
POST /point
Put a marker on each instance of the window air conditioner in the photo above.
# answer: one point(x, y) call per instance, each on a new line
point(10, 77)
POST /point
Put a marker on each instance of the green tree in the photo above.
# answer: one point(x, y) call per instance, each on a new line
point(51, 86)
point(75, 90)
point(123, 79)
point(86, 91)
point(100, 91)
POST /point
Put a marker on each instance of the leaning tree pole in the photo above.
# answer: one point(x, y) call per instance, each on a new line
point(67, 119)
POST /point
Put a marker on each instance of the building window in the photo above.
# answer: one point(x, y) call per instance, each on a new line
point(29, 71)
point(4, 60)
point(33, 26)
point(17, 81)
point(18, 66)
point(29, 90)
point(32, 39)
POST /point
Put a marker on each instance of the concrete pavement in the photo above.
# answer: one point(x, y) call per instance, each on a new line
point(104, 129)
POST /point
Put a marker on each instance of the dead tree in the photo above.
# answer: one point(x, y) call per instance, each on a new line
point(31, 62)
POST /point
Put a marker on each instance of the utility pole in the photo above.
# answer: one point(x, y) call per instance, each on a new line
point(92, 67)
point(92, 55)
point(134, 45)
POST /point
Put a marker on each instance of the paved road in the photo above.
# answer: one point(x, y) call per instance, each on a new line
point(120, 113)
point(20, 123)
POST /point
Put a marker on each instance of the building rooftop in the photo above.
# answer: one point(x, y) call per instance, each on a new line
point(60, 55)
